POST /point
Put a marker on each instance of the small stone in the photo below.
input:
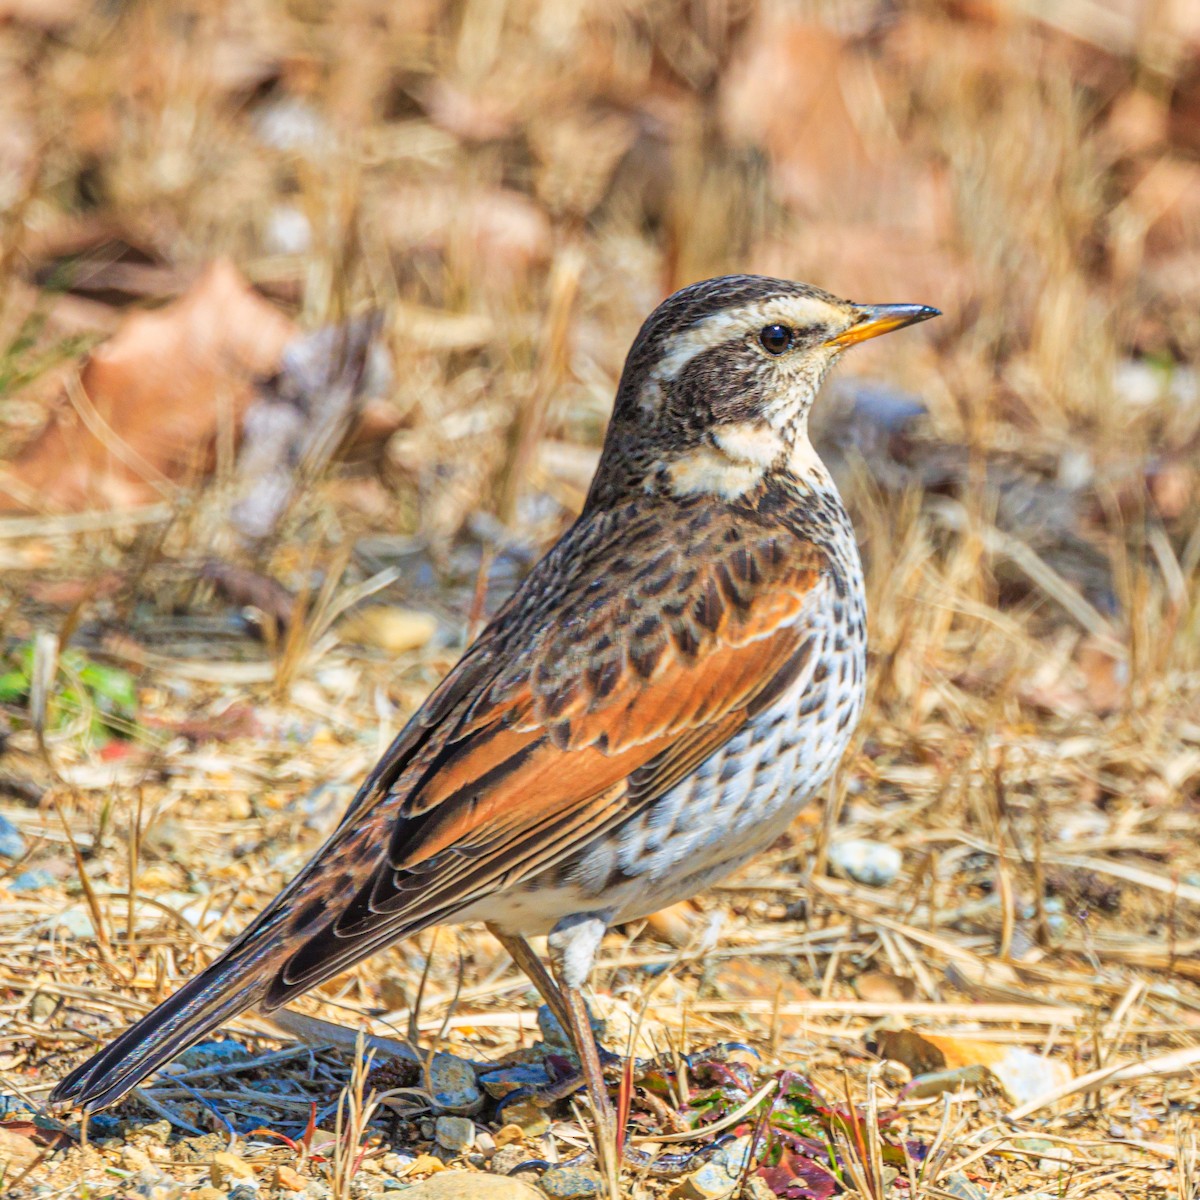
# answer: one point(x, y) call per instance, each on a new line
point(207, 1193)
point(134, 1158)
point(426, 1164)
point(453, 1085)
point(397, 1164)
point(225, 1167)
point(570, 1183)
point(210, 1054)
point(499, 1084)
point(872, 864)
point(12, 841)
point(717, 1178)
point(454, 1133)
point(959, 1185)
point(509, 1157)
point(288, 1178)
point(472, 1185)
point(153, 1184)
point(32, 881)
point(531, 1120)
point(156, 1131)
point(75, 922)
point(42, 1006)
point(245, 1191)
point(507, 1134)
point(556, 1037)
point(1055, 1156)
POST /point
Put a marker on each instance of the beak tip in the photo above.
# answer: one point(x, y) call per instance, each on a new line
point(883, 318)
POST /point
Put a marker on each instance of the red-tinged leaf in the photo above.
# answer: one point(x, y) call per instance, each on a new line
point(797, 1178)
point(54, 1139)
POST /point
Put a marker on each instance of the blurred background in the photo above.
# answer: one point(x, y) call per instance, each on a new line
point(311, 316)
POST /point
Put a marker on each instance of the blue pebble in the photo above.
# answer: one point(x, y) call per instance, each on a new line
point(12, 841)
point(31, 881)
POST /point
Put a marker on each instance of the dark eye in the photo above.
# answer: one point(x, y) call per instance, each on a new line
point(775, 339)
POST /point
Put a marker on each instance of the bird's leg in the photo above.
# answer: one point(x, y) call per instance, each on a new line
point(522, 953)
point(573, 945)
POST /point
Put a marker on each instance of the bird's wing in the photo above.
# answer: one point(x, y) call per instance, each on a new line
point(547, 734)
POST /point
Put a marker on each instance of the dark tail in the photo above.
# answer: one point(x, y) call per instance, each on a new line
point(229, 986)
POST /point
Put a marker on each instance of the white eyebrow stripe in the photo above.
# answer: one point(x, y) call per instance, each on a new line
point(719, 327)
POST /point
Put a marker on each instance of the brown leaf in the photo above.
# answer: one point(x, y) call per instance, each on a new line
point(1021, 1073)
point(145, 408)
point(56, 1139)
point(882, 987)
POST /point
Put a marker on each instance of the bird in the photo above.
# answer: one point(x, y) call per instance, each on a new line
point(669, 685)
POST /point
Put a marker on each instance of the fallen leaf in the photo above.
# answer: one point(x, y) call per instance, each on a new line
point(387, 628)
point(1019, 1072)
point(17, 1151)
point(145, 408)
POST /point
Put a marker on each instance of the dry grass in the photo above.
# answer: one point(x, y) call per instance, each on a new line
point(517, 184)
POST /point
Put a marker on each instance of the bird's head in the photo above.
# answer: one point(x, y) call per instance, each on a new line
point(718, 385)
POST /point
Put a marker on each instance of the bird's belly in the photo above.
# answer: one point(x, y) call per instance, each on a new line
point(733, 806)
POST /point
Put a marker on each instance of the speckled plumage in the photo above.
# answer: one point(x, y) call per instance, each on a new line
point(671, 683)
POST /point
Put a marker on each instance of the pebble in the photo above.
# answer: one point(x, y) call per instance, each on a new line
point(453, 1084)
point(717, 1178)
point(1053, 1154)
point(472, 1185)
point(396, 1163)
point(156, 1131)
point(209, 1054)
point(454, 1133)
point(959, 1185)
point(499, 1083)
point(528, 1117)
point(134, 1158)
point(509, 1157)
point(556, 1037)
point(227, 1167)
point(570, 1183)
point(32, 881)
point(12, 842)
point(872, 864)
point(75, 922)
point(152, 1184)
point(425, 1164)
point(10, 1106)
point(508, 1134)
point(289, 1178)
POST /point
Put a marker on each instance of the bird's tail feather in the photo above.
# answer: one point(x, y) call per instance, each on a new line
point(230, 985)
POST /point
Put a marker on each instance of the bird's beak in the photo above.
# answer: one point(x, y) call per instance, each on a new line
point(875, 319)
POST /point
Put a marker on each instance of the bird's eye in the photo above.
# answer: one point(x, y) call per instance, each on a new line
point(775, 339)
